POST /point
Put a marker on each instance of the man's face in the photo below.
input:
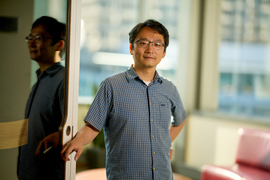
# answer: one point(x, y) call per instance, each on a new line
point(147, 57)
point(44, 51)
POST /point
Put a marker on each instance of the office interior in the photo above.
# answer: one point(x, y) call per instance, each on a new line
point(218, 58)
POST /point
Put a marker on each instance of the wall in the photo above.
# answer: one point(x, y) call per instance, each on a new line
point(15, 67)
point(212, 139)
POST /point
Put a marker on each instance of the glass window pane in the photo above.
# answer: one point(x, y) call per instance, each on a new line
point(104, 41)
point(244, 58)
point(105, 44)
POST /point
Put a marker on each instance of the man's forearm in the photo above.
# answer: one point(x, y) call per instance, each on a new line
point(175, 130)
point(87, 133)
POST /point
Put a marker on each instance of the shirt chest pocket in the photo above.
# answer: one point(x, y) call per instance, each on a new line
point(165, 114)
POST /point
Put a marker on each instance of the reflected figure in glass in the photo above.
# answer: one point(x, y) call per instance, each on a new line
point(40, 157)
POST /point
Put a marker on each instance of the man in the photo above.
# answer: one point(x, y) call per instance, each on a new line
point(135, 109)
point(44, 109)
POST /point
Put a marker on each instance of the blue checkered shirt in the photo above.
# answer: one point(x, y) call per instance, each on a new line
point(44, 111)
point(136, 120)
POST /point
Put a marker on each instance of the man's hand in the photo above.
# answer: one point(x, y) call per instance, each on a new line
point(76, 145)
point(171, 153)
point(86, 135)
point(48, 142)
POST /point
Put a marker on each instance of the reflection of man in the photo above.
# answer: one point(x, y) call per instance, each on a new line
point(44, 108)
point(135, 109)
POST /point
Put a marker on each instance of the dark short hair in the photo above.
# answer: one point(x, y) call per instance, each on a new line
point(55, 28)
point(154, 25)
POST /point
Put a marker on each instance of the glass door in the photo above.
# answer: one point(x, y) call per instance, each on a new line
point(18, 129)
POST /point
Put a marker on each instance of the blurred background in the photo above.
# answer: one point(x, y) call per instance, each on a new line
point(218, 57)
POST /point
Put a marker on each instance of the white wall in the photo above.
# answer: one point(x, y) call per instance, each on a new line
point(213, 140)
point(15, 67)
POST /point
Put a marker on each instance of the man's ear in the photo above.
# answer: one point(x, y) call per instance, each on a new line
point(164, 53)
point(130, 49)
point(60, 45)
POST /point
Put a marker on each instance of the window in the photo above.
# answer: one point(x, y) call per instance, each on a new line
point(244, 60)
point(104, 39)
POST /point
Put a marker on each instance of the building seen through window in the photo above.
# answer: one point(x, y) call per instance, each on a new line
point(244, 57)
point(105, 40)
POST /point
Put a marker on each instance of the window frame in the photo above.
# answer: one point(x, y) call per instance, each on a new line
point(209, 80)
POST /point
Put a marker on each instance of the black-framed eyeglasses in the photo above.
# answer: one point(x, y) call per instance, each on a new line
point(37, 38)
point(142, 43)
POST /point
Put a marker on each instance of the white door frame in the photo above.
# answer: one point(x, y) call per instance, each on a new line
point(72, 76)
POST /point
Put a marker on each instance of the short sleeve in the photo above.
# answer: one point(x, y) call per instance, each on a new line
point(101, 106)
point(178, 111)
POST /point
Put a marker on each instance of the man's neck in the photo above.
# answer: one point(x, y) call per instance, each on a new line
point(45, 65)
point(145, 74)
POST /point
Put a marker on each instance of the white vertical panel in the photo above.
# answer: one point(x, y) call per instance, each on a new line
point(226, 145)
point(194, 55)
point(73, 83)
point(209, 72)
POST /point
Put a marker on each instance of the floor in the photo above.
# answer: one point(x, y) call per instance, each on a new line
point(83, 166)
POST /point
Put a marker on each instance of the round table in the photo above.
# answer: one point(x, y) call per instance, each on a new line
point(100, 174)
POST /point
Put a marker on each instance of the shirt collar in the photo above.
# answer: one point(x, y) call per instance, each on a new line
point(131, 74)
point(52, 70)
